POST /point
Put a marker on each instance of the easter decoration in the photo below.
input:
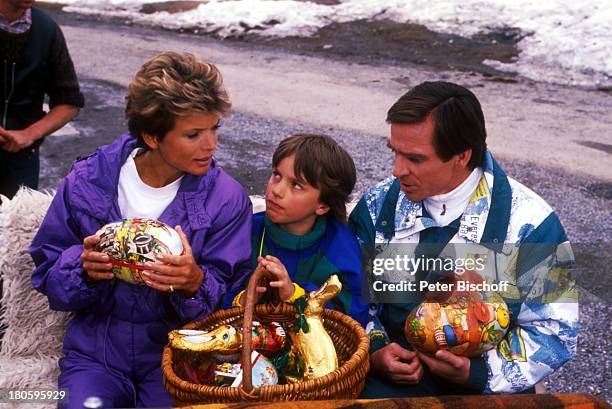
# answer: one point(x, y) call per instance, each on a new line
point(131, 243)
point(464, 323)
point(309, 337)
point(292, 351)
point(203, 354)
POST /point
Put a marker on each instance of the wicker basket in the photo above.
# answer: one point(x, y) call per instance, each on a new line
point(351, 342)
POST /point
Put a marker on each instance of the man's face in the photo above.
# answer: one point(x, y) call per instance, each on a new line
point(18, 4)
point(421, 172)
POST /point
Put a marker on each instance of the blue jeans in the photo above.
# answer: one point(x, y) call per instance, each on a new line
point(18, 169)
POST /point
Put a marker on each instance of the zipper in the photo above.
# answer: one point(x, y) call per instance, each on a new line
point(5, 95)
point(9, 94)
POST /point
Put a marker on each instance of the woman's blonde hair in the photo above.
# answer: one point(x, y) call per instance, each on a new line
point(171, 85)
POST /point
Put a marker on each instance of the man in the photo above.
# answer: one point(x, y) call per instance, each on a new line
point(34, 62)
point(447, 188)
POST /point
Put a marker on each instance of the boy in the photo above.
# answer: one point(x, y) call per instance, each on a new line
point(302, 237)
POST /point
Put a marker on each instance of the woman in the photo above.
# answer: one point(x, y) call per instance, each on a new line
point(163, 169)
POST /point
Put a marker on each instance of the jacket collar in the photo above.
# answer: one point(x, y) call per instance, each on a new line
point(19, 26)
point(286, 240)
point(96, 186)
point(484, 221)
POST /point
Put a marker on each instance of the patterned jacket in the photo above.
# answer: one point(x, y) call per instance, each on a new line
point(523, 243)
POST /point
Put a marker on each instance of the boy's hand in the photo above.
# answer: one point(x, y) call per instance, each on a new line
point(175, 272)
point(280, 275)
point(446, 365)
point(260, 290)
point(95, 264)
point(397, 364)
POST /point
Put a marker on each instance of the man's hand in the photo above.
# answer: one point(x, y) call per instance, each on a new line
point(447, 365)
point(3, 139)
point(14, 141)
point(175, 272)
point(58, 116)
point(397, 364)
point(95, 263)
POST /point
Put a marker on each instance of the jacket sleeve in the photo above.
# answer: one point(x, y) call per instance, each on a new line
point(56, 251)
point(343, 257)
point(543, 336)
point(360, 222)
point(349, 299)
point(231, 294)
point(225, 260)
point(63, 86)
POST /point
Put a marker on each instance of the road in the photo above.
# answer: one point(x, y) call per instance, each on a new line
point(557, 127)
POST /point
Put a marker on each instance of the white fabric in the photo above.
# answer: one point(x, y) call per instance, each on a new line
point(139, 200)
point(39, 331)
point(447, 207)
point(32, 343)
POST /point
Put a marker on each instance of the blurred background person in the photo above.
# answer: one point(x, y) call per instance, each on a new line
point(34, 62)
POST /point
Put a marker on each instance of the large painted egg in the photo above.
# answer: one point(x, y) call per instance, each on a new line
point(463, 325)
point(132, 242)
point(263, 372)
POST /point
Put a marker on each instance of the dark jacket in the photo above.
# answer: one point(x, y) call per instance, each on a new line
point(33, 64)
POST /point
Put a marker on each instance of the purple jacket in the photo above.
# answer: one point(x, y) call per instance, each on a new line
point(215, 214)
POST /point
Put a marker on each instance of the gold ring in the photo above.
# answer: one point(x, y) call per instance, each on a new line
point(171, 288)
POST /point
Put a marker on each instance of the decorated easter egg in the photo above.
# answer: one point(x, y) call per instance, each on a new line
point(263, 372)
point(131, 243)
point(463, 325)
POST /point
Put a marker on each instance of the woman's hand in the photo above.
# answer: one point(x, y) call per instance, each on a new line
point(95, 264)
point(175, 272)
point(280, 277)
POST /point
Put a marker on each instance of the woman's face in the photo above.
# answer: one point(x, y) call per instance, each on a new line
point(189, 146)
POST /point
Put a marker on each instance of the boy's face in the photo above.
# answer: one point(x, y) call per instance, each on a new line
point(291, 203)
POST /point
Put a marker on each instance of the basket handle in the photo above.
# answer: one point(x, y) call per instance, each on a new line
point(247, 324)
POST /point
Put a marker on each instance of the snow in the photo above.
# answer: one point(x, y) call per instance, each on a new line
point(563, 41)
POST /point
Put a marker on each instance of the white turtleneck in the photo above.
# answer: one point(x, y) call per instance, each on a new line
point(137, 199)
point(447, 207)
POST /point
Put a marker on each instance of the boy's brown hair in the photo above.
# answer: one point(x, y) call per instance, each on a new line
point(322, 163)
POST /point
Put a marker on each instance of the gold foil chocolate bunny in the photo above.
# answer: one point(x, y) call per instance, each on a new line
point(226, 340)
point(312, 340)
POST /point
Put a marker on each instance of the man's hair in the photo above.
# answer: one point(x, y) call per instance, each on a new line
point(458, 120)
point(171, 85)
point(323, 164)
